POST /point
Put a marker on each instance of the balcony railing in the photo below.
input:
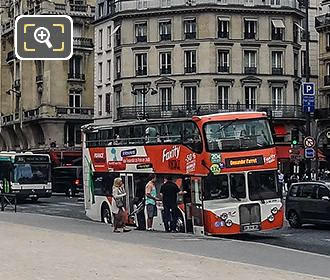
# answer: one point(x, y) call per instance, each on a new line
point(85, 112)
point(79, 8)
point(190, 69)
point(141, 72)
point(190, 35)
point(249, 35)
point(165, 70)
point(277, 36)
point(277, 71)
point(83, 42)
point(177, 111)
point(223, 68)
point(31, 114)
point(223, 35)
point(141, 39)
point(250, 70)
point(327, 80)
point(76, 76)
point(165, 37)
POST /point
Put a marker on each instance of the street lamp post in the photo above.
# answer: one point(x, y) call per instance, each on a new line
point(18, 94)
point(144, 91)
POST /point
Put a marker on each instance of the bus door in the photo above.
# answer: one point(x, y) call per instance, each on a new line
point(130, 191)
point(197, 205)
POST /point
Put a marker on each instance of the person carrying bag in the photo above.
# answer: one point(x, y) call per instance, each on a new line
point(117, 205)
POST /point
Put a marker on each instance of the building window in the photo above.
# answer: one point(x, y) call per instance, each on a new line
point(303, 63)
point(141, 32)
point(100, 74)
point(297, 96)
point(223, 28)
point(108, 36)
point(118, 67)
point(108, 103)
point(250, 62)
point(277, 97)
point(72, 135)
point(190, 61)
point(223, 61)
point(100, 105)
point(141, 64)
point(118, 101)
point(118, 37)
point(165, 30)
point(277, 64)
point(250, 28)
point(166, 99)
point(101, 9)
point(100, 39)
point(165, 63)
point(142, 4)
point(275, 2)
point(109, 6)
point(108, 70)
point(190, 28)
point(190, 95)
point(250, 97)
point(278, 28)
point(223, 97)
point(75, 101)
point(295, 33)
point(75, 68)
point(327, 77)
point(328, 41)
point(295, 64)
point(165, 3)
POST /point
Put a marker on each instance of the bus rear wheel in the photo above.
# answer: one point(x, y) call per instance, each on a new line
point(106, 214)
point(180, 224)
point(34, 199)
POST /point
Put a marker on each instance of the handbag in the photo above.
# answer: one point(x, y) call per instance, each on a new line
point(119, 202)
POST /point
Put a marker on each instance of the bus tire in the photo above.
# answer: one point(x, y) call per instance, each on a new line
point(106, 214)
point(34, 199)
point(180, 226)
point(294, 220)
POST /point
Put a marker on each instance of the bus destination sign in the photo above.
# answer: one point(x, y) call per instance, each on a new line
point(31, 159)
point(244, 161)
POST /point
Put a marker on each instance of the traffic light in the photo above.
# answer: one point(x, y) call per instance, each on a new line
point(294, 136)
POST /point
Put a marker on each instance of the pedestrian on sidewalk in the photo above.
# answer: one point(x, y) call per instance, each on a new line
point(117, 205)
point(150, 201)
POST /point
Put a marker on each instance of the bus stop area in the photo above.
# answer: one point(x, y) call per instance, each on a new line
point(36, 253)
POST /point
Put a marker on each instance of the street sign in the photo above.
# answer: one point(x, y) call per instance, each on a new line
point(309, 103)
point(308, 88)
point(309, 142)
point(309, 153)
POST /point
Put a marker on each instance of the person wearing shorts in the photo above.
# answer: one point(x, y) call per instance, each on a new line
point(151, 194)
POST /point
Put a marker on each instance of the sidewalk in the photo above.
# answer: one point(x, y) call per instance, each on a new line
point(31, 253)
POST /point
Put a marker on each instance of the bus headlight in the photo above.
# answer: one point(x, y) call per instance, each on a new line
point(271, 218)
point(274, 210)
point(229, 223)
point(224, 216)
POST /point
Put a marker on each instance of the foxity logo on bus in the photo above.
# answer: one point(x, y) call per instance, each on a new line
point(172, 153)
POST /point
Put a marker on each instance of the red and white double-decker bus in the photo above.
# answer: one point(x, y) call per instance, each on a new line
point(226, 162)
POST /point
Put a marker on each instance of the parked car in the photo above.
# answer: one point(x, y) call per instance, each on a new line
point(308, 203)
point(67, 179)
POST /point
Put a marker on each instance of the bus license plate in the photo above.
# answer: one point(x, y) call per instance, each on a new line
point(251, 228)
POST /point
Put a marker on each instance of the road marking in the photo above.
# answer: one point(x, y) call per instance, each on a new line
point(327, 239)
point(286, 234)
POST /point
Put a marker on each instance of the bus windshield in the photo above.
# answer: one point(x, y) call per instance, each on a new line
point(238, 135)
point(31, 173)
point(262, 185)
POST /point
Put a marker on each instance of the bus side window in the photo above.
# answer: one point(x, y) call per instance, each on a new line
point(192, 137)
point(174, 133)
point(136, 134)
point(152, 134)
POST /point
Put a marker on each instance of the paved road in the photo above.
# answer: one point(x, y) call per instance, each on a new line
point(313, 239)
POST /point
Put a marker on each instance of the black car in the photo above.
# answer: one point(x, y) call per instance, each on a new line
point(67, 179)
point(308, 203)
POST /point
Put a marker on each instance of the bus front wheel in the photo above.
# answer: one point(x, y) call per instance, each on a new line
point(34, 199)
point(106, 214)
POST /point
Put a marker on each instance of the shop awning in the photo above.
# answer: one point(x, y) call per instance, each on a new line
point(278, 23)
point(280, 130)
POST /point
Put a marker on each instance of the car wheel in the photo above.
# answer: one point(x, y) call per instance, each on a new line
point(70, 192)
point(294, 219)
point(106, 215)
point(34, 199)
point(180, 224)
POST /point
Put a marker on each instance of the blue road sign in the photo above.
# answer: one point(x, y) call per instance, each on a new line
point(309, 103)
point(309, 89)
point(309, 153)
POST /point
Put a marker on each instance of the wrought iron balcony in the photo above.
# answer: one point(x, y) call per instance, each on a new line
point(165, 70)
point(165, 37)
point(223, 35)
point(76, 76)
point(250, 70)
point(277, 71)
point(182, 110)
point(82, 42)
point(141, 71)
point(190, 35)
point(249, 35)
point(223, 68)
point(327, 80)
point(190, 69)
point(141, 39)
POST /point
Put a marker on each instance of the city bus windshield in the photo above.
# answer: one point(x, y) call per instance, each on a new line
point(237, 135)
point(262, 185)
point(31, 173)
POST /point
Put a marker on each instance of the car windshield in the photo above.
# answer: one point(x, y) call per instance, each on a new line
point(263, 185)
point(31, 173)
point(238, 135)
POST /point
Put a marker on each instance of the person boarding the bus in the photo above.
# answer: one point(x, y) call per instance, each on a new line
point(150, 201)
point(117, 205)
